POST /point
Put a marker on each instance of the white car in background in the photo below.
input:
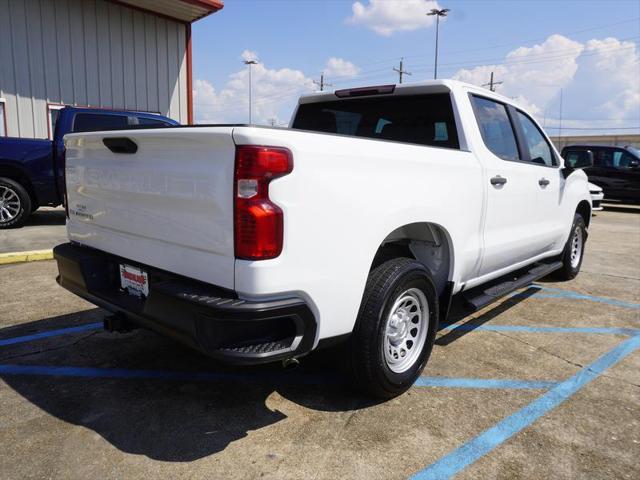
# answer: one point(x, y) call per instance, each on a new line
point(596, 197)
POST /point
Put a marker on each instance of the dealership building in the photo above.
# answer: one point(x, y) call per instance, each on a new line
point(124, 54)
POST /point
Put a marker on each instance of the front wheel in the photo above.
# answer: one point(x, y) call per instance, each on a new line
point(574, 250)
point(395, 329)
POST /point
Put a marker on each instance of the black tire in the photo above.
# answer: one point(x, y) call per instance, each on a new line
point(571, 267)
point(368, 365)
point(24, 206)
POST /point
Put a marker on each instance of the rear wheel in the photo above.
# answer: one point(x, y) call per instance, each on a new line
point(395, 329)
point(15, 204)
point(574, 250)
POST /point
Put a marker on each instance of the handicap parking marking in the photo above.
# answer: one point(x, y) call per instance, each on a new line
point(479, 446)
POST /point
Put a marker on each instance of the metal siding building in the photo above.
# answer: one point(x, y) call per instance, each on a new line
point(127, 54)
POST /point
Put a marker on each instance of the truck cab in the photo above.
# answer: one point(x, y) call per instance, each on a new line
point(31, 170)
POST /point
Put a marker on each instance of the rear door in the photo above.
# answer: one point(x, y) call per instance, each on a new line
point(510, 233)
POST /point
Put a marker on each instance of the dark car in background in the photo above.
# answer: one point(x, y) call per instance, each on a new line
point(615, 169)
point(32, 170)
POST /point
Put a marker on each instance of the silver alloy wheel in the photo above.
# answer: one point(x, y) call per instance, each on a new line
point(576, 247)
point(9, 204)
point(406, 330)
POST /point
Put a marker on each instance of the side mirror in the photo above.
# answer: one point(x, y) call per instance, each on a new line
point(580, 161)
point(634, 164)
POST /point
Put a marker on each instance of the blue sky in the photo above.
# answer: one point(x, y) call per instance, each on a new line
point(588, 48)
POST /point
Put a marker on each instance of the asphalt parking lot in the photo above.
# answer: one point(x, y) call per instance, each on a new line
point(544, 384)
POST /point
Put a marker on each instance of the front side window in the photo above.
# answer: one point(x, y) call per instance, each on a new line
point(93, 122)
point(539, 149)
point(495, 127)
point(421, 119)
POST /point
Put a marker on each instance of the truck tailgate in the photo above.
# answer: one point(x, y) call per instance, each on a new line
point(168, 205)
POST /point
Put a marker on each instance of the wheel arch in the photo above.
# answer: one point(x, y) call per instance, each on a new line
point(427, 242)
point(584, 209)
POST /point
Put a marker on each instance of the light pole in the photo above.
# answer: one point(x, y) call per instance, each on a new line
point(438, 14)
point(249, 63)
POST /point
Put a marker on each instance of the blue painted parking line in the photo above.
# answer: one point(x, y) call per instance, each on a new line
point(484, 443)
point(558, 293)
point(308, 379)
point(481, 383)
point(50, 333)
point(542, 329)
point(125, 373)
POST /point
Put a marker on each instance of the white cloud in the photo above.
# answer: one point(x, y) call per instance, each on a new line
point(275, 92)
point(599, 80)
point(387, 17)
point(338, 67)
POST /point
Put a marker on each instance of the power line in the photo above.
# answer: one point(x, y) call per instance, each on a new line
point(401, 71)
point(519, 42)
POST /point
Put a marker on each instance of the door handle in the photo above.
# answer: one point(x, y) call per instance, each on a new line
point(543, 182)
point(498, 180)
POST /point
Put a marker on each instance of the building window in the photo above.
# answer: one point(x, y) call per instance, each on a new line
point(53, 112)
point(3, 119)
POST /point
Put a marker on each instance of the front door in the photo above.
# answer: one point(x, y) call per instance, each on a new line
point(512, 186)
point(549, 225)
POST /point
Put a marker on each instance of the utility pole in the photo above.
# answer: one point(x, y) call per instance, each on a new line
point(438, 14)
point(321, 83)
point(250, 63)
point(401, 71)
point(492, 84)
point(560, 120)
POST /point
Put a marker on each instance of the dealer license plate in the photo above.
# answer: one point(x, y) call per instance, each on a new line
point(134, 280)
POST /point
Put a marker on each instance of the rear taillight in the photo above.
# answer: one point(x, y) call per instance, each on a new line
point(258, 221)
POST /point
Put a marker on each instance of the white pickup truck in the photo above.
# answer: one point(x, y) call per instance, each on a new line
point(358, 223)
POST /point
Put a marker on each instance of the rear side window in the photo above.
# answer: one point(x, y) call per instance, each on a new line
point(152, 122)
point(495, 127)
point(539, 149)
point(572, 157)
point(421, 119)
point(93, 122)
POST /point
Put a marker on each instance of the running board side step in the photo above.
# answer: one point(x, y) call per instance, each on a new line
point(481, 296)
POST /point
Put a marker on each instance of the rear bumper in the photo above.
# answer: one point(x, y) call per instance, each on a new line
point(205, 317)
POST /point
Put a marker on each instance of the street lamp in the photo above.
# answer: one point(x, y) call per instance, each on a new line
point(438, 14)
point(249, 63)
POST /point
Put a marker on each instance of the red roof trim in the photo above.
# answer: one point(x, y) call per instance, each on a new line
point(211, 6)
